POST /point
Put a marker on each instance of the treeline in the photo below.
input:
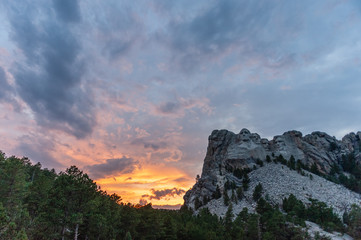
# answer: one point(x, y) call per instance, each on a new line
point(38, 203)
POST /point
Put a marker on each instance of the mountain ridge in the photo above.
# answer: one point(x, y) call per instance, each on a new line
point(229, 155)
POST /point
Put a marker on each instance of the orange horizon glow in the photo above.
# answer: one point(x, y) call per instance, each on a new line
point(131, 187)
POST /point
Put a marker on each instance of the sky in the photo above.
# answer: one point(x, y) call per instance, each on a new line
point(129, 91)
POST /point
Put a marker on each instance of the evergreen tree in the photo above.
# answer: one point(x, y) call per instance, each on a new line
point(314, 169)
point(128, 236)
point(228, 219)
point(233, 197)
point(197, 203)
point(245, 182)
point(257, 193)
point(292, 163)
point(217, 194)
point(239, 192)
point(225, 197)
point(354, 221)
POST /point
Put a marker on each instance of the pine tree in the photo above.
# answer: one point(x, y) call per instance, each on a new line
point(217, 194)
point(128, 236)
point(228, 218)
point(257, 193)
point(245, 182)
point(225, 197)
point(233, 197)
point(239, 192)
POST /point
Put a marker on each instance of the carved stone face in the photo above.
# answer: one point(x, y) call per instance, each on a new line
point(264, 143)
point(244, 135)
point(280, 142)
point(255, 137)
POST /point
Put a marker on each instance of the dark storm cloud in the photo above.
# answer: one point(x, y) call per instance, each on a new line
point(50, 81)
point(158, 194)
point(149, 144)
point(113, 167)
point(67, 10)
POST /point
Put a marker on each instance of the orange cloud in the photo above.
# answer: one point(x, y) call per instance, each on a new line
point(159, 184)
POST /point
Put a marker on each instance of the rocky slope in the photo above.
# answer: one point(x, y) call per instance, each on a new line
point(228, 152)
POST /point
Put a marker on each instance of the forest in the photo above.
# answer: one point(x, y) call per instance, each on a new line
point(38, 203)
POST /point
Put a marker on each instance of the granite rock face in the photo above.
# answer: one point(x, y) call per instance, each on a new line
point(228, 151)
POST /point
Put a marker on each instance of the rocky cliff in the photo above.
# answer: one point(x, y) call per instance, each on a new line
point(229, 155)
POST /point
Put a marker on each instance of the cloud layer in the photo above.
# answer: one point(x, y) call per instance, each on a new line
point(131, 91)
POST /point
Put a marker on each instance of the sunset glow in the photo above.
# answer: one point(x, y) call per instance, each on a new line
point(130, 91)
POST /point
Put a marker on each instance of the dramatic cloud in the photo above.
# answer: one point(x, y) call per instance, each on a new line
point(158, 194)
point(113, 167)
point(50, 80)
point(84, 81)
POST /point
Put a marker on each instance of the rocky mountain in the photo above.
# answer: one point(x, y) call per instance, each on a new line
point(309, 167)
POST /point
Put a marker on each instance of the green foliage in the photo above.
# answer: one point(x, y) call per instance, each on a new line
point(234, 197)
point(317, 212)
point(229, 185)
point(37, 203)
point(225, 197)
point(197, 203)
point(292, 163)
point(240, 172)
point(245, 182)
point(228, 218)
point(333, 146)
point(239, 193)
point(314, 169)
point(349, 165)
point(257, 193)
point(217, 194)
point(274, 224)
point(353, 220)
point(128, 236)
point(281, 159)
point(294, 207)
point(21, 235)
point(350, 182)
point(259, 162)
point(206, 199)
point(334, 169)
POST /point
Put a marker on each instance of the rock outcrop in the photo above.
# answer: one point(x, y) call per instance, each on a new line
point(228, 151)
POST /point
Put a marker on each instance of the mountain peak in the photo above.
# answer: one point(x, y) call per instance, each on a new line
point(230, 157)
